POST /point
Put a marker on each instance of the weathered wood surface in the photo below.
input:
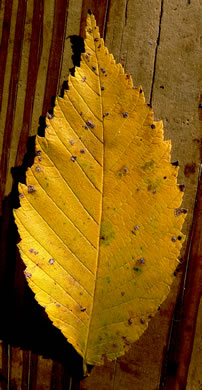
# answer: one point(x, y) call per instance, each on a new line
point(157, 41)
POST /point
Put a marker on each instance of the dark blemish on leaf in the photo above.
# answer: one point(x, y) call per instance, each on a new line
point(140, 261)
point(182, 187)
point(39, 159)
point(37, 169)
point(142, 321)
point(180, 211)
point(81, 293)
point(90, 124)
point(58, 305)
point(149, 105)
point(162, 86)
point(136, 227)
point(103, 70)
point(114, 345)
point(96, 39)
point(137, 269)
point(106, 114)
point(71, 142)
point(122, 293)
point(51, 261)
point(165, 177)
point(21, 195)
point(94, 67)
point(150, 316)
point(125, 114)
point(49, 116)
point(83, 308)
point(175, 163)
point(108, 280)
point(99, 46)
point(88, 55)
point(31, 250)
point(125, 170)
point(159, 308)
point(138, 189)
point(83, 79)
point(140, 90)
point(179, 238)
point(133, 232)
point(90, 30)
point(153, 126)
point(30, 189)
point(36, 253)
point(38, 153)
point(85, 127)
point(73, 158)
point(149, 187)
point(102, 88)
point(130, 321)
point(27, 274)
point(154, 192)
point(82, 151)
point(189, 169)
point(173, 239)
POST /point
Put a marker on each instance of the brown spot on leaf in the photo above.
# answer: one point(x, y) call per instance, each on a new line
point(51, 261)
point(30, 189)
point(130, 321)
point(180, 211)
point(27, 274)
point(90, 124)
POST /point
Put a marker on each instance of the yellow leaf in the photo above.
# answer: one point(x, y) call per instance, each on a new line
point(100, 216)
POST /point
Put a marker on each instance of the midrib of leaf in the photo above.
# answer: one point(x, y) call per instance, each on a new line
point(98, 252)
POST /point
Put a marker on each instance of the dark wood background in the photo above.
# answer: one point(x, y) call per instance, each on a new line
point(157, 41)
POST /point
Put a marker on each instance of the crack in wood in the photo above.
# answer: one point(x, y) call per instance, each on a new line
point(156, 51)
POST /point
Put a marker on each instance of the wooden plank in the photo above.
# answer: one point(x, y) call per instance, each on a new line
point(6, 13)
point(131, 35)
point(184, 338)
point(32, 73)
point(44, 374)
point(21, 93)
point(54, 65)
point(15, 70)
point(26, 370)
point(194, 380)
point(101, 377)
point(7, 44)
point(72, 29)
point(48, 20)
point(16, 368)
point(100, 12)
